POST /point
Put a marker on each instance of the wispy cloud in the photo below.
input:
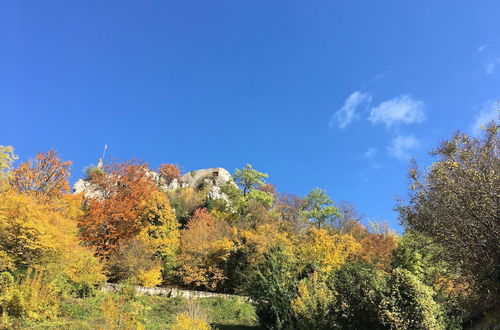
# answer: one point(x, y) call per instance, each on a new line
point(348, 113)
point(401, 146)
point(370, 153)
point(402, 109)
point(491, 66)
point(490, 112)
point(482, 48)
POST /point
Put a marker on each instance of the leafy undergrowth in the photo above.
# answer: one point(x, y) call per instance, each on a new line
point(156, 313)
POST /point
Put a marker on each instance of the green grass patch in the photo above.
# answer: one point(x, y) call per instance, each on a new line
point(158, 313)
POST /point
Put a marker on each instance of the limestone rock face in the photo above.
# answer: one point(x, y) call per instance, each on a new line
point(214, 178)
point(85, 187)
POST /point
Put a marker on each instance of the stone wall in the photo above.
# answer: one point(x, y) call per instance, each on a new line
point(174, 292)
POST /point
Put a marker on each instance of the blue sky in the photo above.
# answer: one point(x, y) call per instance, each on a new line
point(334, 94)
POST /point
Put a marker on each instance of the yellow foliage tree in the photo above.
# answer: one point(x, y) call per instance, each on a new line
point(7, 158)
point(254, 243)
point(161, 229)
point(43, 234)
point(326, 251)
point(155, 247)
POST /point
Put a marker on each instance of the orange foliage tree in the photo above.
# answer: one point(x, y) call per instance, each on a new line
point(46, 176)
point(204, 249)
point(114, 206)
point(377, 249)
point(169, 172)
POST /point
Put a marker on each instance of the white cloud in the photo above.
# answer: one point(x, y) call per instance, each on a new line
point(345, 115)
point(402, 109)
point(490, 112)
point(401, 146)
point(370, 153)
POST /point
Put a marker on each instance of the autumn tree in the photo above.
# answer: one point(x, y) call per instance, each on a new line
point(133, 260)
point(324, 252)
point(349, 218)
point(43, 234)
point(457, 204)
point(45, 176)
point(185, 201)
point(204, 249)
point(7, 158)
point(319, 207)
point(249, 179)
point(289, 208)
point(377, 249)
point(169, 172)
point(160, 232)
point(114, 205)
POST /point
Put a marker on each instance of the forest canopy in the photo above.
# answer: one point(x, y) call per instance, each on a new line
point(307, 262)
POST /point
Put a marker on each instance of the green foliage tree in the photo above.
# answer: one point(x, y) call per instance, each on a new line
point(409, 304)
point(319, 207)
point(359, 291)
point(249, 179)
point(457, 204)
point(273, 283)
point(421, 256)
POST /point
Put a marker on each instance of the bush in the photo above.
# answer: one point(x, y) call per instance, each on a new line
point(347, 299)
point(184, 322)
point(122, 312)
point(192, 317)
point(91, 171)
point(33, 298)
point(230, 311)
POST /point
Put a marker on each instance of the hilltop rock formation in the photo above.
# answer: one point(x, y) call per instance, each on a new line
point(214, 178)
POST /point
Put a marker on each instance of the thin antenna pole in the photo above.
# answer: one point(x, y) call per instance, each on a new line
point(101, 160)
point(104, 152)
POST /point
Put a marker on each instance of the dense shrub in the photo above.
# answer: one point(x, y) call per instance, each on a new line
point(32, 297)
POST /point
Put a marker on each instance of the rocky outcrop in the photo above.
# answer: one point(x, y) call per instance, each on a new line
point(211, 178)
point(216, 176)
point(87, 188)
